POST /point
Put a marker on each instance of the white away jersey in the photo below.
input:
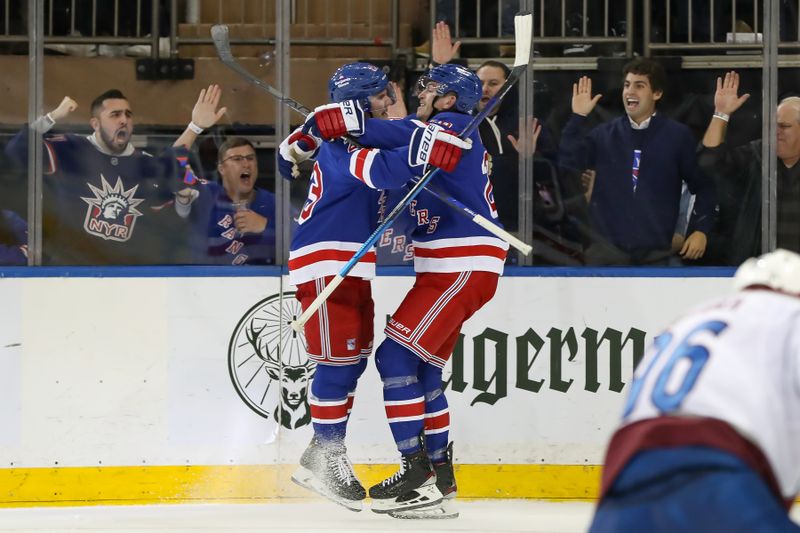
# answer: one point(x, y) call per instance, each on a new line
point(736, 360)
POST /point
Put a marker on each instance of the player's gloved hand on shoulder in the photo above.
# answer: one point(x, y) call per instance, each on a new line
point(433, 145)
point(295, 149)
point(331, 121)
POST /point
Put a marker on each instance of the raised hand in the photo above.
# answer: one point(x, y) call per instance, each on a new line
point(525, 145)
point(582, 100)
point(443, 50)
point(205, 113)
point(726, 97)
point(67, 106)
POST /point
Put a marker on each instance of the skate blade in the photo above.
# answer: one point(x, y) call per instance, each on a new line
point(427, 496)
point(306, 479)
point(443, 511)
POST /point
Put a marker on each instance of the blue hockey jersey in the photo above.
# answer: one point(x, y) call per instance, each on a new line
point(443, 241)
point(102, 208)
point(214, 239)
point(339, 215)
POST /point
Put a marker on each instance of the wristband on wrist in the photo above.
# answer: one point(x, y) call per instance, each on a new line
point(722, 116)
point(50, 119)
point(195, 128)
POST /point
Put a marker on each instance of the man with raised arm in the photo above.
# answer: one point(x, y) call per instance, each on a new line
point(104, 199)
point(738, 175)
point(641, 161)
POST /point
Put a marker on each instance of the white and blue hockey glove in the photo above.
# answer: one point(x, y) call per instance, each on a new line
point(433, 145)
point(331, 121)
point(295, 149)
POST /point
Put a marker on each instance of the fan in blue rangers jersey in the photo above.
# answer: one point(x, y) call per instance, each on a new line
point(338, 216)
point(104, 199)
point(458, 265)
point(233, 223)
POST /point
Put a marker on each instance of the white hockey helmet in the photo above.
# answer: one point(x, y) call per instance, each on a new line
point(778, 270)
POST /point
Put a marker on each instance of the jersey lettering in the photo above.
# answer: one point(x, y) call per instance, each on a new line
point(226, 222)
point(386, 238)
point(433, 225)
point(234, 247)
point(422, 217)
point(399, 244)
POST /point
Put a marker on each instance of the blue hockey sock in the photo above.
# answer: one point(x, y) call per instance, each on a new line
point(403, 394)
point(437, 414)
point(331, 400)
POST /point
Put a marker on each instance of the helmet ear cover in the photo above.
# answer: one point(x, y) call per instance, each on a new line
point(778, 270)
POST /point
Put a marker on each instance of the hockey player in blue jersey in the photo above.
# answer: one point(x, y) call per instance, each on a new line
point(104, 199)
point(340, 213)
point(458, 265)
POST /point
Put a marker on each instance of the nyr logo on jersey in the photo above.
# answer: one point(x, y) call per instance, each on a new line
point(112, 212)
point(268, 363)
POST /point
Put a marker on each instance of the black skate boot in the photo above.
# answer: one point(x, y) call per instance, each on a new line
point(411, 487)
point(326, 470)
point(446, 483)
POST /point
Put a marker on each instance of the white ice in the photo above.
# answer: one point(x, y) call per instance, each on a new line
point(495, 516)
point(486, 516)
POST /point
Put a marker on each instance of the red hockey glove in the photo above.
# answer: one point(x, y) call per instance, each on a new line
point(436, 146)
point(295, 149)
point(332, 121)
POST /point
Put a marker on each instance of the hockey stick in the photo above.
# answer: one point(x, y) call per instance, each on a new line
point(523, 28)
point(220, 36)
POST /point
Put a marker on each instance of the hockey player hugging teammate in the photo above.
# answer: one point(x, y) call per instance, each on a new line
point(457, 264)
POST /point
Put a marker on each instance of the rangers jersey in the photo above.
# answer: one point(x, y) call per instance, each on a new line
point(443, 240)
point(339, 215)
point(726, 376)
point(102, 208)
point(214, 239)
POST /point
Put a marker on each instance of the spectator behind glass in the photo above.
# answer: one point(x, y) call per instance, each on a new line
point(13, 239)
point(104, 199)
point(232, 223)
point(640, 161)
point(554, 197)
point(738, 177)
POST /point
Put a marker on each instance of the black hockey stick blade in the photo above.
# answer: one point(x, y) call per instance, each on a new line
point(221, 37)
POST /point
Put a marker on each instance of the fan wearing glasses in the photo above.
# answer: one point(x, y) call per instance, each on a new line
point(232, 222)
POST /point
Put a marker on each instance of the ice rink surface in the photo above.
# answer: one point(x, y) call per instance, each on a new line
point(487, 516)
point(498, 516)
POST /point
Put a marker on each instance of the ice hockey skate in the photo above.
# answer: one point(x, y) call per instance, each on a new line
point(411, 487)
point(446, 482)
point(325, 469)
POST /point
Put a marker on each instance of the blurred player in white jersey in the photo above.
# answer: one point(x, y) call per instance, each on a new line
point(710, 435)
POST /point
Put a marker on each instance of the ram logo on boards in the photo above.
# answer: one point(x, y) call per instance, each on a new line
point(268, 364)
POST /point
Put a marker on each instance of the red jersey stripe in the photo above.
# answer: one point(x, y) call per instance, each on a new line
point(328, 255)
